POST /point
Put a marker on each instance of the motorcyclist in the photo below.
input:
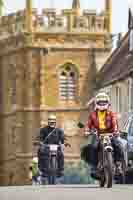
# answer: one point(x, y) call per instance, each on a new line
point(104, 121)
point(50, 134)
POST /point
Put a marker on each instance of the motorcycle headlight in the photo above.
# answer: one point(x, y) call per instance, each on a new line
point(106, 139)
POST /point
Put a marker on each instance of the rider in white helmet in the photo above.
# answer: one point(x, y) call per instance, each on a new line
point(103, 120)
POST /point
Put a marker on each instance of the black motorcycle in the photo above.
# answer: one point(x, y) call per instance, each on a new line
point(52, 151)
point(52, 161)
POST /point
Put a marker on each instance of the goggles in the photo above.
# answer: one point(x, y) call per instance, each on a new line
point(102, 103)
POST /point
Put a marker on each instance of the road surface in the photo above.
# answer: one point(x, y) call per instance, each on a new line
point(69, 192)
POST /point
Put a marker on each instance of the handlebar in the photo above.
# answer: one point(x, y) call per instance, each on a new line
point(106, 134)
point(44, 144)
point(95, 132)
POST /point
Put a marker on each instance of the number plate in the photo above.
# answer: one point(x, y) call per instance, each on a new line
point(53, 147)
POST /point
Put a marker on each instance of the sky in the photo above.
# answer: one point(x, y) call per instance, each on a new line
point(119, 9)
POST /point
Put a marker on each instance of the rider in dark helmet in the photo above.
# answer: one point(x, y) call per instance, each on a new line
point(56, 137)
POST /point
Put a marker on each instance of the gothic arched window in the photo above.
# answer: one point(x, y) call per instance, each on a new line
point(68, 82)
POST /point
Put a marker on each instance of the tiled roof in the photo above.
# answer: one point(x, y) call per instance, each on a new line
point(118, 66)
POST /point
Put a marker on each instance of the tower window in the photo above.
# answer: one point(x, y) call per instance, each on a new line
point(68, 82)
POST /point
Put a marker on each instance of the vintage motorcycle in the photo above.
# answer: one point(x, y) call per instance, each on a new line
point(105, 164)
point(107, 168)
point(52, 153)
point(52, 160)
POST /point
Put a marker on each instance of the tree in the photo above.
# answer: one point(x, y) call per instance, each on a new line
point(1, 6)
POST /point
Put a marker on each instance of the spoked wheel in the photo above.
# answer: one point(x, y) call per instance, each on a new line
point(52, 177)
point(102, 179)
point(108, 169)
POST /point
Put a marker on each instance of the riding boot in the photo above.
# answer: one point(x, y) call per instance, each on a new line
point(43, 180)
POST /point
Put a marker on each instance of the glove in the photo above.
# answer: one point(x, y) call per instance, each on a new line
point(116, 134)
point(87, 132)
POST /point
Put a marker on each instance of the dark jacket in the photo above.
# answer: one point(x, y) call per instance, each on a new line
point(56, 137)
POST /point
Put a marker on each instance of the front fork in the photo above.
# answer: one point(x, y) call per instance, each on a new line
point(101, 160)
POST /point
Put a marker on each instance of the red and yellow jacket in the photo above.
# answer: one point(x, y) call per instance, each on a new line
point(103, 121)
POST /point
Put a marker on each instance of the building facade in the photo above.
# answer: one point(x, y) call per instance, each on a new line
point(116, 78)
point(46, 63)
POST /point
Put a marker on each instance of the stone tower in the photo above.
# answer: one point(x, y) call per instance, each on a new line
point(46, 65)
point(108, 13)
point(76, 6)
point(29, 15)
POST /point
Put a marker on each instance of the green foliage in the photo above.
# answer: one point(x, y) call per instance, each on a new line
point(1, 6)
point(77, 174)
point(1, 3)
point(80, 125)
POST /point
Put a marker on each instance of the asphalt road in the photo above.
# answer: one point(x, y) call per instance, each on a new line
point(71, 192)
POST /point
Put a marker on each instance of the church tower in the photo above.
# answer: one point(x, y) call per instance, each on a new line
point(76, 11)
point(49, 63)
point(108, 13)
point(76, 6)
point(29, 15)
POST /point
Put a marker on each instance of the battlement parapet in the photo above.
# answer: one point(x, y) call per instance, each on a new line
point(50, 20)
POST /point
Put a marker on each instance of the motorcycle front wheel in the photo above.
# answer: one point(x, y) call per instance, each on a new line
point(52, 177)
point(108, 169)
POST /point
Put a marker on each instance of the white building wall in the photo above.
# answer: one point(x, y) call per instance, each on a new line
point(121, 95)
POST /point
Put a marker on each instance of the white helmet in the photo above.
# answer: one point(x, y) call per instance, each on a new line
point(35, 160)
point(102, 101)
point(52, 118)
